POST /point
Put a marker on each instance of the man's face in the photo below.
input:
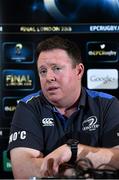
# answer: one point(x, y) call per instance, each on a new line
point(60, 81)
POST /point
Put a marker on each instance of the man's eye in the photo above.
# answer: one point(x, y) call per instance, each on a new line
point(42, 72)
point(57, 68)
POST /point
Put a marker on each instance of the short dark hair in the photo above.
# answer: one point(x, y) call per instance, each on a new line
point(57, 42)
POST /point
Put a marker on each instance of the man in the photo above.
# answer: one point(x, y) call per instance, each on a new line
point(64, 122)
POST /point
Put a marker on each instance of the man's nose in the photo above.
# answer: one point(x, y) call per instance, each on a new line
point(50, 75)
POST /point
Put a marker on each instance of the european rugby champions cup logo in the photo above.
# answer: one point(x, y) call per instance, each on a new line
point(18, 53)
point(18, 48)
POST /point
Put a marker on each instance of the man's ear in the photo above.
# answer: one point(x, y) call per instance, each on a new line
point(80, 70)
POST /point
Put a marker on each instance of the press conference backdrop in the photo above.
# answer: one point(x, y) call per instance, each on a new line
point(92, 24)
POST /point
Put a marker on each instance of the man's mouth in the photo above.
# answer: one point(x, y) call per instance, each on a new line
point(52, 88)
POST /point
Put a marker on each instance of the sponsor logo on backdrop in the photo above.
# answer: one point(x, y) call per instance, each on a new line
point(102, 78)
point(18, 53)
point(9, 106)
point(19, 79)
point(102, 52)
